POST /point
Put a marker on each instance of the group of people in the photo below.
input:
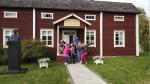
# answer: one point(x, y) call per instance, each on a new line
point(73, 50)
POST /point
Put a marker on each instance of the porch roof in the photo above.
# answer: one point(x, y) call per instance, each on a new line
point(70, 15)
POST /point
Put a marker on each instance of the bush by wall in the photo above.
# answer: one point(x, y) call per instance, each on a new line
point(3, 56)
point(33, 50)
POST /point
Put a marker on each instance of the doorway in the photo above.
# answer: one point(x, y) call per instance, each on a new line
point(69, 36)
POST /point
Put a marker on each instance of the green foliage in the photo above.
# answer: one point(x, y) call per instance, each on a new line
point(55, 74)
point(4, 56)
point(33, 50)
point(144, 30)
point(124, 70)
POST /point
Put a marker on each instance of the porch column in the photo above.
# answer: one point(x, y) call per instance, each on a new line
point(85, 29)
point(34, 23)
point(57, 40)
point(137, 35)
point(101, 34)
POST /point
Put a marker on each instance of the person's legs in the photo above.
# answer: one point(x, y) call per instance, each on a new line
point(73, 59)
point(79, 56)
point(84, 57)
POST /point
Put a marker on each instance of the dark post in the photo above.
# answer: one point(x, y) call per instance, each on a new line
point(14, 50)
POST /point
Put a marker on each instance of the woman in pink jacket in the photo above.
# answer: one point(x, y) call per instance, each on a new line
point(66, 53)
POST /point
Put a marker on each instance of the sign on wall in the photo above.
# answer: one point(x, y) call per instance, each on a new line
point(71, 22)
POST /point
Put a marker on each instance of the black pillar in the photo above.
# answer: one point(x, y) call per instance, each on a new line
point(14, 55)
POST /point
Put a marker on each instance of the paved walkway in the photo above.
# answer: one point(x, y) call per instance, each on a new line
point(82, 75)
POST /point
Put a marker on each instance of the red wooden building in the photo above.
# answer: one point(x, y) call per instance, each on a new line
point(112, 26)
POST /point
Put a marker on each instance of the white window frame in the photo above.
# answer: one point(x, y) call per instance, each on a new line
point(123, 44)
point(4, 34)
point(5, 12)
point(115, 18)
point(41, 30)
point(93, 45)
point(42, 17)
point(90, 19)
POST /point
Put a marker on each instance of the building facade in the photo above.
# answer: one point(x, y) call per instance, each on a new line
point(112, 26)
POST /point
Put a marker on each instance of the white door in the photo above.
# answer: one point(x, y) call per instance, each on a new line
point(68, 36)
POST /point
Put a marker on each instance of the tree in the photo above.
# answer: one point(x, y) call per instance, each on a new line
point(144, 30)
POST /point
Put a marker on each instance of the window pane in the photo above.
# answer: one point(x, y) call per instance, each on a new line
point(87, 42)
point(121, 33)
point(10, 14)
point(87, 38)
point(121, 42)
point(49, 42)
point(92, 37)
point(47, 15)
point(44, 42)
point(87, 33)
point(117, 34)
point(49, 37)
point(117, 38)
point(43, 33)
point(49, 33)
point(7, 33)
point(117, 42)
point(43, 37)
point(92, 33)
point(121, 38)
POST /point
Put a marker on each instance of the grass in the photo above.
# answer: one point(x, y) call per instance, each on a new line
point(55, 74)
point(124, 70)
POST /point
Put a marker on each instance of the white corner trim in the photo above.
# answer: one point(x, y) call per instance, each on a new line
point(101, 34)
point(137, 35)
point(34, 23)
point(57, 40)
point(85, 30)
point(72, 14)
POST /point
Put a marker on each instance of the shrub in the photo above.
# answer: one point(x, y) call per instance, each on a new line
point(3, 56)
point(146, 46)
point(33, 50)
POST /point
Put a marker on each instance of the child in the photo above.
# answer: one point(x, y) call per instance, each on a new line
point(79, 52)
point(85, 52)
point(66, 53)
point(72, 54)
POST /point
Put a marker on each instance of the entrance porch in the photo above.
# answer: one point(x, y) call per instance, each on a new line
point(68, 28)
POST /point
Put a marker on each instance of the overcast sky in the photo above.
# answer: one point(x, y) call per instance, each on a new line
point(138, 3)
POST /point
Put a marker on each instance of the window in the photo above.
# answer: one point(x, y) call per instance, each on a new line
point(9, 14)
point(6, 35)
point(47, 37)
point(46, 15)
point(118, 18)
point(90, 17)
point(91, 37)
point(119, 38)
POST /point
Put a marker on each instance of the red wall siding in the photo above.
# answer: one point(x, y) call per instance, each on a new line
point(108, 34)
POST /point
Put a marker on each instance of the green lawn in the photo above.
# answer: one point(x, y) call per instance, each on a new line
point(55, 74)
point(124, 70)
